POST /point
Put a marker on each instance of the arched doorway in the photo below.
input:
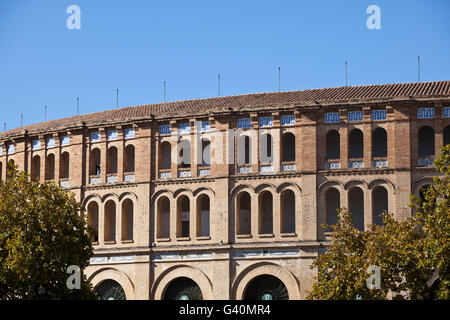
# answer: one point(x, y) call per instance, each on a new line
point(183, 288)
point(266, 287)
point(356, 207)
point(110, 290)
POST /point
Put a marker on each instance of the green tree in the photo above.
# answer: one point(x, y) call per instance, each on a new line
point(43, 231)
point(408, 253)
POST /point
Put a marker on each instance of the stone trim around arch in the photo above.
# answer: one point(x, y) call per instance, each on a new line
point(196, 275)
point(243, 279)
point(113, 274)
point(381, 182)
point(324, 186)
point(421, 183)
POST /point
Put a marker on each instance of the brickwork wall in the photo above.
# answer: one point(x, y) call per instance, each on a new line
point(223, 263)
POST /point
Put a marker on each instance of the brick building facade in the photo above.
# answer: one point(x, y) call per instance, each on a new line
point(224, 198)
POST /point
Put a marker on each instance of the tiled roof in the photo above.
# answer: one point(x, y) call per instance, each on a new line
point(247, 101)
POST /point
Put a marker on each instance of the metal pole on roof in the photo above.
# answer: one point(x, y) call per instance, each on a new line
point(418, 68)
point(4, 126)
point(117, 98)
point(164, 90)
point(45, 113)
point(78, 105)
point(218, 84)
point(279, 79)
point(346, 73)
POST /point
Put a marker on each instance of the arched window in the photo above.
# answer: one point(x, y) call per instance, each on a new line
point(183, 210)
point(9, 168)
point(206, 152)
point(243, 213)
point(127, 219)
point(64, 166)
point(163, 207)
point(244, 150)
point(110, 221)
point(288, 147)
point(355, 144)
point(379, 143)
point(333, 145)
point(288, 212)
point(422, 192)
point(110, 290)
point(183, 288)
point(94, 162)
point(203, 214)
point(266, 148)
point(447, 135)
point(332, 205)
point(36, 168)
point(111, 161)
point(165, 156)
point(184, 148)
point(266, 287)
point(426, 141)
point(379, 203)
point(93, 219)
point(128, 159)
point(265, 213)
point(50, 167)
point(356, 207)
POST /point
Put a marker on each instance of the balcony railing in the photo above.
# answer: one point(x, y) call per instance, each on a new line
point(287, 166)
point(64, 183)
point(112, 178)
point(165, 174)
point(355, 163)
point(332, 165)
point(379, 163)
point(94, 180)
point(266, 168)
point(244, 169)
point(184, 173)
point(204, 171)
point(128, 177)
point(425, 161)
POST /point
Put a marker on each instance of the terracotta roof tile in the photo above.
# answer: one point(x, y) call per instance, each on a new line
point(247, 101)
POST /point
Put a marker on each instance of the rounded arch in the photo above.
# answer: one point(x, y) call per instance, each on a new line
point(355, 183)
point(128, 195)
point(111, 196)
point(129, 158)
point(382, 182)
point(119, 276)
point(266, 187)
point(288, 146)
point(91, 197)
point(426, 141)
point(446, 134)
point(355, 144)
point(182, 191)
point(332, 144)
point(242, 187)
point(328, 184)
point(289, 186)
point(161, 283)
point(420, 183)
point(158, 194)
point(210, 192)
point(247, 275)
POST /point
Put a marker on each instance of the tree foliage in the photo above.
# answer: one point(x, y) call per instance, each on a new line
point(42, 232)
point(410, 253)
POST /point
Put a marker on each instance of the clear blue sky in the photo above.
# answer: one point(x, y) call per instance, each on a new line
point(135, 45)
